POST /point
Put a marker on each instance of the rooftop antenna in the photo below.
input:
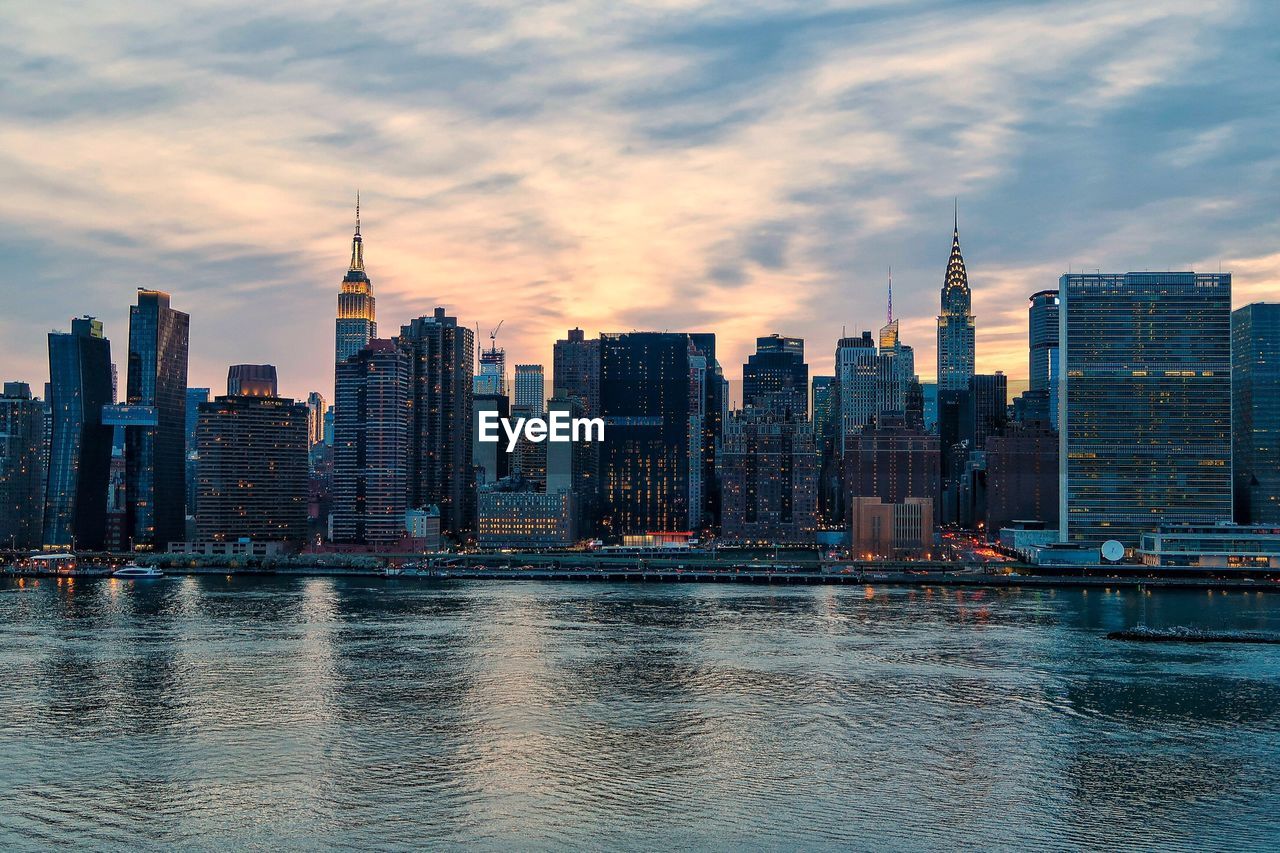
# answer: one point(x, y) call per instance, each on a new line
point(357, 211)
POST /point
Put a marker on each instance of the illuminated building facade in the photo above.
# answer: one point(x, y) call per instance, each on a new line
point(440, 472)
point(768, 465)
point(22, 472)
point(519, 518)
point(644, 394)
point(372, 417)
point(776, 372)
point(253, 465)
point(1145, 403)
point(530, 391)
point(956, 323)
point(357, 316)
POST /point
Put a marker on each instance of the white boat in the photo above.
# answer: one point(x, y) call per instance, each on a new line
point(136, 572)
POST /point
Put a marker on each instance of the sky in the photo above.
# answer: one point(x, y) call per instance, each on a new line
point(744, 168)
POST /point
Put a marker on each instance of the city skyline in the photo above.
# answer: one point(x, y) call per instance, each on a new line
point(749, 173)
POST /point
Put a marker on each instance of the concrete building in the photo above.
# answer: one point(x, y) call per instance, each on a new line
point(898, 530)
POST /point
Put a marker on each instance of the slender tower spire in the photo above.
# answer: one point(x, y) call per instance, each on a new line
point(890, 293)
point(357, 243)
point(357, 323)
point(955, 322)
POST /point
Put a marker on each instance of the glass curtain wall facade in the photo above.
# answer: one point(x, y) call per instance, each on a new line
point(1145, 403)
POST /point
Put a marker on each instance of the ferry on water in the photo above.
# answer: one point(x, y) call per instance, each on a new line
point(135, 572)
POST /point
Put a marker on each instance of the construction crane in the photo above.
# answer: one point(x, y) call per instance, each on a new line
point(493, 336)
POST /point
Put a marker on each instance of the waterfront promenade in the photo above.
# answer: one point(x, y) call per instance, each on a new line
point(558, 568)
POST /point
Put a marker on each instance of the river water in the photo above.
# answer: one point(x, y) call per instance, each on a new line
point(220, 712)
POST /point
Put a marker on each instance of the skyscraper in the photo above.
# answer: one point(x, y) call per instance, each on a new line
point(575, 370)
point(79, 442)
point(776, 377)
point(530, 390)
point(440, 474)
point(989, 396)
point(870, 381)
point(1145, 407)
point(955, 323)
point(1042, 333)
point(22, 473)
point(357, 318)
point(191, 413)
point(711, 415)
point(823, 392)
point(1255, 404)
point(155, 437)
point(644, 394)
point(315, 418)
point(492, 378)
point(1040, 401)
point(575, 373)
point(371, 434)
point(253, 463)
point(768, 467)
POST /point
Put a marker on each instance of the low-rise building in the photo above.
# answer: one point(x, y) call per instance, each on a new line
point(511, 516)
point(891, 530)
point(1215, 546)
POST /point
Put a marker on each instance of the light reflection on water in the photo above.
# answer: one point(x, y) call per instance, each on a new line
point(225, 712)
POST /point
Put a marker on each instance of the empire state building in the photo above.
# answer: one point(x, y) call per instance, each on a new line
point(955, 323)
point(357, 319)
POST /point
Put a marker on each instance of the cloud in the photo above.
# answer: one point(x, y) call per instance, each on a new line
point(743, 168)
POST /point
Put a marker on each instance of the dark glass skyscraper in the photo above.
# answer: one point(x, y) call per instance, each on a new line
point(644, 393)
point(155, 447)
point(440, 355)
point(955, 323)
point(22, 473)
point(195, 396)
point(357, 318)
point(776, 377)
point(1255, 403)
point(1145, 408)
point(79, 443)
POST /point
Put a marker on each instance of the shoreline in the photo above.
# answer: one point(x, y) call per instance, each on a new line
point(704, 576)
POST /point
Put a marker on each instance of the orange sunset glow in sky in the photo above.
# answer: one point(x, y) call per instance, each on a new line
point(738, 168)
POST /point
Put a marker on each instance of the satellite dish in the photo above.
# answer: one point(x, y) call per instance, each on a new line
point(1112, 551)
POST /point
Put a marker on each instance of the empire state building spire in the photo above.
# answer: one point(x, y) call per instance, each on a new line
point(956, 322)
point(357, 317)
point(357, 243)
